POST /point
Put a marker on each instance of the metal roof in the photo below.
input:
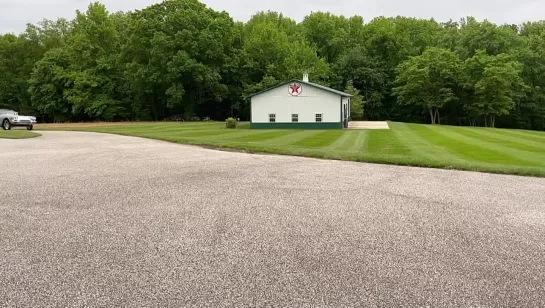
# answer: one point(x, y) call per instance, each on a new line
point(343, 94)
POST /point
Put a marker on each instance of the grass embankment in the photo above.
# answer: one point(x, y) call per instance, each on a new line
point(464, 148)
point(17, 134)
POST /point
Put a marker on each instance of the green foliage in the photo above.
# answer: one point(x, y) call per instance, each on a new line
point(495, 83)
point(284, 24)
point(429, 80)
point(327, 33)
point(16, 62)
point(530, 112)
point(369, 76)
point(182, 58)
point(486, 36)
point(231, 123)
point(49, 84)
point(356, 102)
point(272, 55)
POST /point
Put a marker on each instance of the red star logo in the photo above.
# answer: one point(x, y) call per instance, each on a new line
point(295, 89)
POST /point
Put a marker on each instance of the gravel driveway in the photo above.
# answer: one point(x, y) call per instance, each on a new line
point(95, 220)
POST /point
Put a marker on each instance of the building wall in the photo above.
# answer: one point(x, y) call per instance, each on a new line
point(310, 102)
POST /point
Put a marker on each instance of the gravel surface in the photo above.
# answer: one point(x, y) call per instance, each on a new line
point(95, 220)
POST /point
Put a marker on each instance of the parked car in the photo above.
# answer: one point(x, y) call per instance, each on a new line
point(10, 118)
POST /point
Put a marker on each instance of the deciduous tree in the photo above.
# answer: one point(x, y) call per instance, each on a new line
point(496, 82)
point(429, 81)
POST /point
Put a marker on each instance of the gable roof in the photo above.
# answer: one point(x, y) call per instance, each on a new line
point(343, 94)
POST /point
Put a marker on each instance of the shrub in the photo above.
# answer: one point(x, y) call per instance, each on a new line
point(231, 123)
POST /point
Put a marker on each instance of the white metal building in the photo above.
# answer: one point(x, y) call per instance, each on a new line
point(300, 104)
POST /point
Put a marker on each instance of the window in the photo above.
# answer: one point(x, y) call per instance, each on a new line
point(318, 117)
point(272, 117)
point(295, 117)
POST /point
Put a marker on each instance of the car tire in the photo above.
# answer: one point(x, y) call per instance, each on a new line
point(6, 125)
point(31, 127)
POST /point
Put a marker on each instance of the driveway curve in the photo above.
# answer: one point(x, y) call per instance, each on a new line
point(97, 220)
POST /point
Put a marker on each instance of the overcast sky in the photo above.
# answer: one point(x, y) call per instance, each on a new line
point(15, 14)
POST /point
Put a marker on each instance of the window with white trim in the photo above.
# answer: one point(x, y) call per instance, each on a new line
point(295, 117)
point(318, 117)
point(272, 117)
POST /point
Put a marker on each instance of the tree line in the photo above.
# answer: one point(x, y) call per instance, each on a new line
point(180, 58)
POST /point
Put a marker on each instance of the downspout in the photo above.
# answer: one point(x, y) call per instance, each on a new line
point(341, 115)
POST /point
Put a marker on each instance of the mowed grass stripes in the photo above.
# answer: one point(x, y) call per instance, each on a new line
point(466, 148)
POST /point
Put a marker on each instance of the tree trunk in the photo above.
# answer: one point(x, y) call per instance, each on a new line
point(153, 107)
point(437, 117)
point(493, 120)
point(485, 120)
point(432, 116)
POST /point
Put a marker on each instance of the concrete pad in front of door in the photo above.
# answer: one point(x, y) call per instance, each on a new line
point(368, 125)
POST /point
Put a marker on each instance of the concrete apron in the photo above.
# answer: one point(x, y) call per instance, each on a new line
point(368, 125)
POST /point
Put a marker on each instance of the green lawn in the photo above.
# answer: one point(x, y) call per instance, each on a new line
point(480, 149)
point(17, 134)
